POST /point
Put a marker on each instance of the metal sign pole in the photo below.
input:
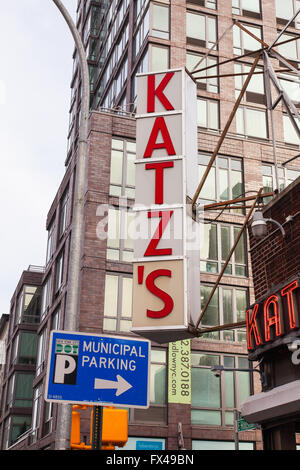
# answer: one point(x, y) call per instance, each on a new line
point(97, 427)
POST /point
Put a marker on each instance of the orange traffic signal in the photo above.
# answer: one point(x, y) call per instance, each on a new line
point(114, 428)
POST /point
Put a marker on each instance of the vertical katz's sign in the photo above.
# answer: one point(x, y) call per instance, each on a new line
point(166, 272)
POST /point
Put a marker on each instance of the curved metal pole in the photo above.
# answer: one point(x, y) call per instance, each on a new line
point(71, 319)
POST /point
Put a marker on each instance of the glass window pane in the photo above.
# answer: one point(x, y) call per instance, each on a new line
point(195, 26)
point(284, 9)
point(244, 385)
point(109, 324)
point(227, 306)
point(290, 134)
point(161, 18)
point(241, 304)
point(116, 164)
point(202, 120)
point(125, 325)
point(252, 5)
point(113, 230)
point(130, 173)
point(158, 356)
point(158, 384)
point(229, 389)
point(223, 185)
point(209, 188)
point(240, 248)
point(198, 359)
point(127, 297)
point(211, 30)
point(205, 388)
point(236, 184)
point(211, 316)
point(251, 44)
point(129, 229)
point(208, 244)
point(240, 124)
point(208, 417)
point(159, 58)
point(256, 123)
point(213, 115)
point(225, 241)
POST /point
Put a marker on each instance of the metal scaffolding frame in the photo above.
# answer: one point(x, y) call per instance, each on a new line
point(264, 54)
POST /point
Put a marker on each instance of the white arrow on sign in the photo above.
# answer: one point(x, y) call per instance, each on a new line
point(121, 385)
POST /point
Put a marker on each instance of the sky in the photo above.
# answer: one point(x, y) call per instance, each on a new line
point(36, 49)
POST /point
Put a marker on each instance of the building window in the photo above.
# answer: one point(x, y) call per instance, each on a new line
point(201, 30)
point(50, 242)
point(207, 84)
point(243, 42)
point(255, 92)
point(20, 390)
point(214, 399)
point(36, 412)
point(59, 272)
point(143, 66)
point(228, 305)
point(224, 180)
point(140, 35)
point(290, 50)
point(14, 427)
point(205, 3)
point(159, 58)
point(160, 21)
point(157, 411)
point(251, 122)
point(63, 218)
point(117, 303)
point(41, 352)
point(48, 418)
point(215, 246)
point(290, 84)
point(119, 241)
point(208, 114)
point(286, 10)
point(289, 132)
point(122, 168)
point(220, 445)
point(46, 297)
point(285, 175)
point(28, 305)
point(247, 8)
point(24, 348)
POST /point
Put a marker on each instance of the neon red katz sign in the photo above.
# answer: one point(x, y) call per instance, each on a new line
point(274, 317)
point(166, 173)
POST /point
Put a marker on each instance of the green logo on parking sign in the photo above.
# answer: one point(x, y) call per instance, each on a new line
point(66, 347)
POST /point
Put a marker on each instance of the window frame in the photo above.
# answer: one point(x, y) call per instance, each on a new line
point(126, 190)
point(217, 170)
point(219, 261)
point(208, 114)
point(118, 317)
point(221, 336)
point(242, 34)
point(206, 43)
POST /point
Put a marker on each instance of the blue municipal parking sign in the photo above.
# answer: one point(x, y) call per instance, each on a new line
point(98, 370)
